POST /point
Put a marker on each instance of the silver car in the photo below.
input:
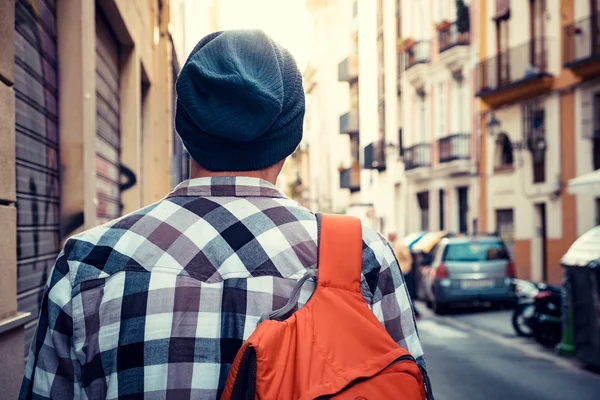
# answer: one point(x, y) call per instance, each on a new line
point(470, 269)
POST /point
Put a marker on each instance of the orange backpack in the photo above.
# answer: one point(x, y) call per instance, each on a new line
point(332, 348)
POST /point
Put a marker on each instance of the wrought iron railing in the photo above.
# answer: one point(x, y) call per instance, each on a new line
point(349, 122)
point(454, 147)
point(417, 156)
point(581, 40)
point(350, 178)
point(520, 63)
point(418, 53)
point(374, 156)
point(348, 69)
point(451, 37)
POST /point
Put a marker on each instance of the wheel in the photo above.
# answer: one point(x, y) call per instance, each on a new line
point(520, 319)
point(548, 335)
point(439, 308)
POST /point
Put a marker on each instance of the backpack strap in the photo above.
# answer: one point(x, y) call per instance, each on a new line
point(340, 252)
point(339, 260)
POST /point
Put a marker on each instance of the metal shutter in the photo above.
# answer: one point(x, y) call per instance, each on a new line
point(108, 136)
point(37, 162)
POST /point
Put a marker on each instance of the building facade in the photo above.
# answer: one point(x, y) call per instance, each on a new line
point(328, 122)
point(439, 136)
point(86, 133)
point(537, 82)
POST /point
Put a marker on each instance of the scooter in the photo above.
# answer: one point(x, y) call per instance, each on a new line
point(538, 313)
point(525, 292)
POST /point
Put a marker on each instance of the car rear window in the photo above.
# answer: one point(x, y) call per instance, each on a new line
point(474, 251)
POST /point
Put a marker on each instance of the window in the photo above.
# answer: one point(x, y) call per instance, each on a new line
point(505, 227)
point(440, 109)
point(503, 154)
point(423, 200)
point(535, 132)
point(422, 133)
point(440, 10)
point(537, 12)
point(442, 206)
point(463, 208)
point(475, 252)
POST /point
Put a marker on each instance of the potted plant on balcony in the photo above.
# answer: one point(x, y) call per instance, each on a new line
point(463, 22)
point(407, 44)
point(443, 26)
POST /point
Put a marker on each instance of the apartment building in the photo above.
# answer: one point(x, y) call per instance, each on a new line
point(331, 112)
point(439, 140)
point(87, 136)
point(540, 106)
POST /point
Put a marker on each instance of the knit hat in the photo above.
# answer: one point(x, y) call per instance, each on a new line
point(240, 102)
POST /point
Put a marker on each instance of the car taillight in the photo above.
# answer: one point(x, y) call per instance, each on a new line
point(442, 271)
point(510, 269)
point(543, 295)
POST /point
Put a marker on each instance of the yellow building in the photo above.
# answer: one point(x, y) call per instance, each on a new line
point(540, 100)
point(86, 135)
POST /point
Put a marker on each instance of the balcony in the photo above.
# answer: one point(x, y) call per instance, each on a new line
point(514, 75)
point(417, 53)
point(348, 69)
point(350, 178)
point(454, 152)
point(415, 58)
point(581, 51)
point(349, 122)
point(417, 156)
point(454, 47)
point(374, 156)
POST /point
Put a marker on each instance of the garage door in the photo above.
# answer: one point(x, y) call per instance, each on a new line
point(108, 138)
point(37, 172)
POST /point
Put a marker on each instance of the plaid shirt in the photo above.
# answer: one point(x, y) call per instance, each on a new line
point(157, 303)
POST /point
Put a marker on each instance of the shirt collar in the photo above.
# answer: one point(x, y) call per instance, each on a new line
point(227, 186)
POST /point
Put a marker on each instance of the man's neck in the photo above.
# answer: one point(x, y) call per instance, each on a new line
point(267, 175)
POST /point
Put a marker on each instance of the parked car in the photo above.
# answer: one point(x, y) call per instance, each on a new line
point(421, 251)
point(467, 270)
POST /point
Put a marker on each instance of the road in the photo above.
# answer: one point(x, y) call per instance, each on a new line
point(476, 356)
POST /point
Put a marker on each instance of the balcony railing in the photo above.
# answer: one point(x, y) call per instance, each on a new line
point(418, 53)
point(582, 40)
point(451, 37)
point(348, 69)
point(349, 122)
point(520, 63)
point(374, 156)
point(455, 147)
point(350, 179)
point(417, 156)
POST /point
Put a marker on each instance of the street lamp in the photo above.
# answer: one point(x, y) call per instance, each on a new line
point(492, 124)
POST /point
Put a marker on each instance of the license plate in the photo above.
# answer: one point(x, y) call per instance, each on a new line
point(477, 284)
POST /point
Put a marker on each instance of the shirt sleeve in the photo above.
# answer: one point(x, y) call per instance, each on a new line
point(52, 369)
point(390, 301)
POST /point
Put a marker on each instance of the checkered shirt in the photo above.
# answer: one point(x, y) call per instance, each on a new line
point(157, 303)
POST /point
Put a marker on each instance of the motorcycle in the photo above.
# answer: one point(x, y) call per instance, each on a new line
point(538, 313)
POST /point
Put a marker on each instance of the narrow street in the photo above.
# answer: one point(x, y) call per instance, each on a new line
point(475, 355)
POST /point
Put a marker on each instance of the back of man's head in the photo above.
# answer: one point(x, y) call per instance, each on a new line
point(240, 102)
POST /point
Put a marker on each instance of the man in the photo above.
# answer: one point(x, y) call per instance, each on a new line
point(158, 302)
point(405, 260)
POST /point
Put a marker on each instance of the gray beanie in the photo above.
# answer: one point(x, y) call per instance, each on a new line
point(240, 102)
